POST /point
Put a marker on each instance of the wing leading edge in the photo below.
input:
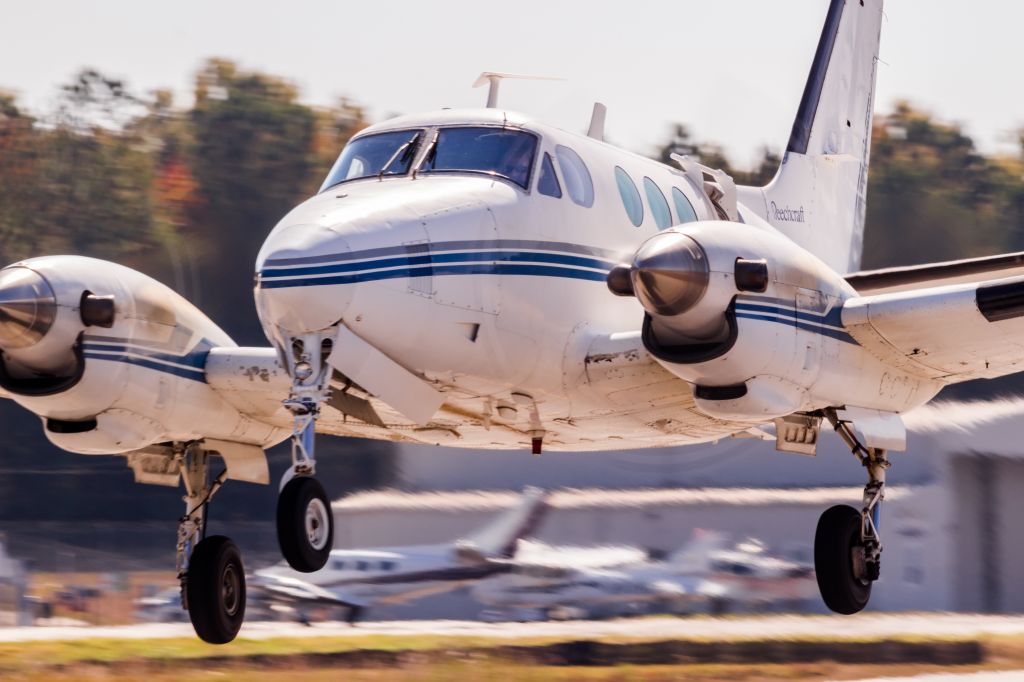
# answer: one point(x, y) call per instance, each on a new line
point(949, 333)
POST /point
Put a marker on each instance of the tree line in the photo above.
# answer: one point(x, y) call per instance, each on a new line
point(188, 194)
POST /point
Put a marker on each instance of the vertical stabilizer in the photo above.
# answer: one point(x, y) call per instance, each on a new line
point(817, 198)
point(498, 538)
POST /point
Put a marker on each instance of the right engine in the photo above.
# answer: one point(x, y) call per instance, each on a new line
point(110, 359)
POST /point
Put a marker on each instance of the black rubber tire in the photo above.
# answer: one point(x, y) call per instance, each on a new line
point(837, 535)
point(215, 590)
point(298, 494)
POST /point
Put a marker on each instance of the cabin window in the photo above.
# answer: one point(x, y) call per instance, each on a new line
point(499, 152)
point(361, 565)
point(381, 154)
point(548, 182)
point(338, 565)
point(659, 205)
point(684, 209)
point(630, 197)
point(387, 565)
point(578, 183)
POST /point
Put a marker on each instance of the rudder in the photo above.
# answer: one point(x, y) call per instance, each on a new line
point(817, 198)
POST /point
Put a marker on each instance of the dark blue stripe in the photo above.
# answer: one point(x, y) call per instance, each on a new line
point(475, 269)
point(195, 359)
point(824, 331)
point(166, 369)
point(833, 317)
point(801, 133)
point(429, 259)
point(427, 247)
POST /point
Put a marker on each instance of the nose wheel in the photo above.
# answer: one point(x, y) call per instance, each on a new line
point(305, 524)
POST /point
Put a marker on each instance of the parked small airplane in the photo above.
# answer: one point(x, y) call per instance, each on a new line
point(474, 277)
point(560, 587)
point(359, 578)
point(704, 575)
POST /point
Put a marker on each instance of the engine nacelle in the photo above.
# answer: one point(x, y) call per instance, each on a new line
point(109, 358)
point(741, 312)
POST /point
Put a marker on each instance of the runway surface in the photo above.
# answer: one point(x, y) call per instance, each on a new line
point(775, 627)
point(1001, 676)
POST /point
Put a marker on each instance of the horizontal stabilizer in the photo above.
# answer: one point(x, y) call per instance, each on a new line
point(937, 274)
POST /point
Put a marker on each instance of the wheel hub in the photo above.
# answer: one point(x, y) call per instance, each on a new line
point(230, 589)
point(317, 524)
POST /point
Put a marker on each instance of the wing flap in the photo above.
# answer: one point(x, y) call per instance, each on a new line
point(949, 333)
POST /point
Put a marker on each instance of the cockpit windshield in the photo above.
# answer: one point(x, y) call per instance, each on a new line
point(381, 154)
point(494, 151)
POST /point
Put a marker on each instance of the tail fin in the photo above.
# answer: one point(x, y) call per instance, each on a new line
point(694, 556)
point(817, 198)
point(498, 538)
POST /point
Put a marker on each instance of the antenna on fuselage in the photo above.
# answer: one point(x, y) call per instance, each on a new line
point(494, 78)
point(596, 129)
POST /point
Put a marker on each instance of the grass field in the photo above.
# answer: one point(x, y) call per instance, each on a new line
point(382, 657)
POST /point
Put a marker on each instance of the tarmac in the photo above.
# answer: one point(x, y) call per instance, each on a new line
point(862, 626)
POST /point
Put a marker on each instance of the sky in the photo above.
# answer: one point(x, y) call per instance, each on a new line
point(732, 70)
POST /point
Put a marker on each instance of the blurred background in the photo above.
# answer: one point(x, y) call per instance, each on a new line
point(184, 182)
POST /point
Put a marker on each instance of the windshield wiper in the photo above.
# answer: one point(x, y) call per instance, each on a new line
point(430, 155)
point(402, 153)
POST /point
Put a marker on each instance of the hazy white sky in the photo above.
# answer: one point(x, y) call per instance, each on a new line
point(733, 70)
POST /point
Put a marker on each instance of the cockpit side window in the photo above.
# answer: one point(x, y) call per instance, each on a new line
point(578, 182)
point(381, 154)
point(547, 184)
point(684, 209)
point(494, 151)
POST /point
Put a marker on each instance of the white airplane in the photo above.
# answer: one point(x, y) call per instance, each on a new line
point(360, 578)
point(564, 587)
point(450, 284)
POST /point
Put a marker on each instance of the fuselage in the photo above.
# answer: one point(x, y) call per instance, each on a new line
point(472, 248)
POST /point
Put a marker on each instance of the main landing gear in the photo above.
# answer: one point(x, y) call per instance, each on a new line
point(210, 569)
point(847, 546)
point(305, 524)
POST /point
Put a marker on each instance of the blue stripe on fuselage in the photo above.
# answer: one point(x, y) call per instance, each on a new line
point(452, 269)
point(274, 273)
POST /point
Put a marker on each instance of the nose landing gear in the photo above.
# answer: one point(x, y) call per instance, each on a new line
point(847, 546)
point(305, 524)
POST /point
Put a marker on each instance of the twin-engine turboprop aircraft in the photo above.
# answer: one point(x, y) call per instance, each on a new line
point(450, 284)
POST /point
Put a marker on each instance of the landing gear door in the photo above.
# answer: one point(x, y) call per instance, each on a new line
point(465, 256)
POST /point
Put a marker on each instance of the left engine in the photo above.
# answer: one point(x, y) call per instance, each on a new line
point(743, 313)
point(109, 358)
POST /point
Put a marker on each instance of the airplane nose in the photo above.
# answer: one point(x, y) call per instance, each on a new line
point(28, 307)
point(294, 266)
point(669, 274)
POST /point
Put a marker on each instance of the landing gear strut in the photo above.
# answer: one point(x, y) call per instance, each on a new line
point(305, 524)
point(847, 546)
point(210, 569)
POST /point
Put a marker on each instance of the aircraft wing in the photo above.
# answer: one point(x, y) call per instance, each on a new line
point(292, 591)
point(948, 333)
